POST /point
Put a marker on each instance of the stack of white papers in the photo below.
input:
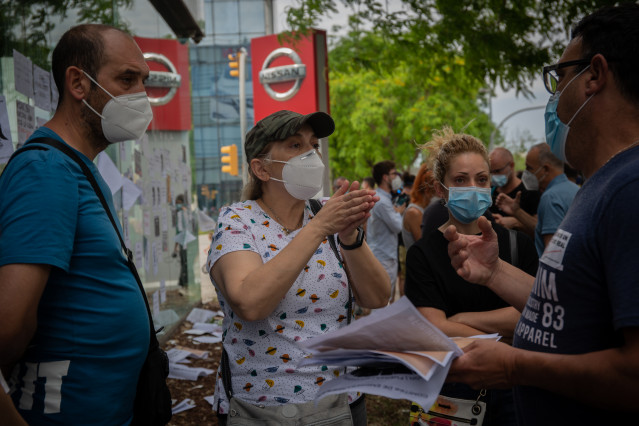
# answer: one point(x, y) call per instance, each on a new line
point(400, 353)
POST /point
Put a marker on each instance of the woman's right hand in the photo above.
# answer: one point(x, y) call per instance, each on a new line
point(348, 208)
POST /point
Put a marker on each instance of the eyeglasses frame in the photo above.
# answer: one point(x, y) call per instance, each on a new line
point(547, 71)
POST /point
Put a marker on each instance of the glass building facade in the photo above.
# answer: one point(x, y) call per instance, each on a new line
point(230, 25)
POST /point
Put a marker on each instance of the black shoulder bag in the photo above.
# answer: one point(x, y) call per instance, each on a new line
point(152, 399)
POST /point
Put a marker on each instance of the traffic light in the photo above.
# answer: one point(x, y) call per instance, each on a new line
point(234, 63)
point(230, 159)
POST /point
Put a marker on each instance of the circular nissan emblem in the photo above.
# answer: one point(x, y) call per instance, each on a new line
point(169, 79)
point(295, 72)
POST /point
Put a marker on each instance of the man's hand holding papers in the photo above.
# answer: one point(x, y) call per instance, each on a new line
point(390, 337)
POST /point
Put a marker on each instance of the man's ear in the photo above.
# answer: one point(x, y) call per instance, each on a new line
point(75, 83)
point(599, 74)
point(259, 170)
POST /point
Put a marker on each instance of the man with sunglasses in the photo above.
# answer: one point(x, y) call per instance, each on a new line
point(575, 356)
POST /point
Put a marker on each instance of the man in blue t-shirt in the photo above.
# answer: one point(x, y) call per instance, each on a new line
point(74, 331)
point(546, 172)
point(575, 354)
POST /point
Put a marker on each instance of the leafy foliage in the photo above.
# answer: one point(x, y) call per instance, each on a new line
point(384, 106)
point(502, 41)
point(24, 24)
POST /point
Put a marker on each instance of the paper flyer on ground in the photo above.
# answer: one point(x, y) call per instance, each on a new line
point(400, 355)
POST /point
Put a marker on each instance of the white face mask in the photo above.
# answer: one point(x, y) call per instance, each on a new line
point(302, 175)
point(396, 183)
point(124, 117)
point(530, 180)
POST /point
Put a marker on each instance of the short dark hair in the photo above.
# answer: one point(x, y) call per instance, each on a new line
point(382, 168)
point(613, 31)
point(81, 46)
point(370, 181)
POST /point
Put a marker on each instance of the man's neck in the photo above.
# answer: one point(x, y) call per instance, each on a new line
point(75, 132)
point(552, 174)
point(384, 187)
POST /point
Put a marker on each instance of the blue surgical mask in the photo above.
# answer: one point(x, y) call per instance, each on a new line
point(467, 203)
point(498, 180)
point(556, 130)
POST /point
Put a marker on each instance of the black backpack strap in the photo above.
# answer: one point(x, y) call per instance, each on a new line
point(514, 251)
point(94, 184)
point(316, 206)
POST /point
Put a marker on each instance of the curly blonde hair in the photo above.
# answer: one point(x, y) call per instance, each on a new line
point(446, 145)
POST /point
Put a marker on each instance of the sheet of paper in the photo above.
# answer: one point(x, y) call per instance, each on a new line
point(177, 355)
point(396, 386)
point(182, 372)
point(186, 404)
point(138, 254)
point(205, 222)
point(130, 194)
point(109, 172)
point(6, 143)
point(54, 92)
point(26, 121)
point(184, 238)
point(210, 399)
point(200, 315)
point(42, 88)
point(3, 384)
point(208, 339)
point(195, 353)
point(207, 327)
point(156, 304)
point(195, 332)
point(401, 324)
point(23, 73)
point(162, 291)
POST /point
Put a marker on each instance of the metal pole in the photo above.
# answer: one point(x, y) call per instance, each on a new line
point(242, 76)
point(512, 114)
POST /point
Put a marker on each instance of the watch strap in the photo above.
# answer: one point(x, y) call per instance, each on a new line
point(358, 241)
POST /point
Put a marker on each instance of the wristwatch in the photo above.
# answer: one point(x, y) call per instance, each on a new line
point(358, 241)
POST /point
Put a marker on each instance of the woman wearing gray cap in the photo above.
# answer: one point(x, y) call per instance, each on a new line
point(279, 280)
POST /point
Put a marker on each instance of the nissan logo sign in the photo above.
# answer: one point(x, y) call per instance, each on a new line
point(295, 72)
point(169, 79)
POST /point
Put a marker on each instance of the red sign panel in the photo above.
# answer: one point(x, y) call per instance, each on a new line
point(292, 76)
point(175, 113)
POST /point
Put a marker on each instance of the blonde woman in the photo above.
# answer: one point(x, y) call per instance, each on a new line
point(462, 178)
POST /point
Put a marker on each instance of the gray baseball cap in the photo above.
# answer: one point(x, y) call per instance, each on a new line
point(283, 124)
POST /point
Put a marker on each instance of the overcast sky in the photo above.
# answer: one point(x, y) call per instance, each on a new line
point(146, 22)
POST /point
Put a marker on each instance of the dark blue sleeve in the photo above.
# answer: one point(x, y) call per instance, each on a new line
point(619, 250)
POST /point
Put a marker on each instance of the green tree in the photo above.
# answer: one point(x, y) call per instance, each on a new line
point(504, 42)
point(385, 104)
point(24, 24)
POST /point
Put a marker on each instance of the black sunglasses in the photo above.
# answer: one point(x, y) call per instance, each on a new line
point(550, 73)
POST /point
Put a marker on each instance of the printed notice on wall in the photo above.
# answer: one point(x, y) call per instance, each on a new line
point(23, 73)
point(42, 88)
point(6, 144)
point(26, 121)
